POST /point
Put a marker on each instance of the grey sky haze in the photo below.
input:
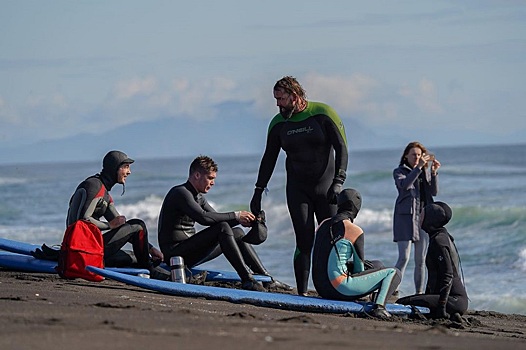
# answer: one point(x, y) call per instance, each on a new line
point(443, 72)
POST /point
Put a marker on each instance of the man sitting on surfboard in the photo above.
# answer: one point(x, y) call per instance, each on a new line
point(338, 269)
point(92, 201)
point(184, 205)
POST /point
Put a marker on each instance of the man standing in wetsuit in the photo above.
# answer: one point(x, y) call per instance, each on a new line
point(92, 200)
point(313, 137)
point(184, 205)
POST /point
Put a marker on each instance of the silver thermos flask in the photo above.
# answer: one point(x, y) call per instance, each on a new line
point(177, 269)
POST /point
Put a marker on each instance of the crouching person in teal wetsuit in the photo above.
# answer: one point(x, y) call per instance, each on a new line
point(339, 270)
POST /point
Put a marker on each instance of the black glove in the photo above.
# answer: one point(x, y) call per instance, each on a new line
point(255, 202)
point(334, 191)
point(258, 232)
point(46, 253)
point(441, 312)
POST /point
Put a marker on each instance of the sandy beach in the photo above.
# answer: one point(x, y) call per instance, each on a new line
point(41, 311)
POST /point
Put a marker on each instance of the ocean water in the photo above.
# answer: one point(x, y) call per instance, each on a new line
point(485, 186)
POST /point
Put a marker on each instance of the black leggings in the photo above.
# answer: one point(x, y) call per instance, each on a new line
point(455, 304)
point(133, 231)
point(215, 240)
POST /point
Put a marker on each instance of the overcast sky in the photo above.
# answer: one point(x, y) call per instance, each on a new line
point(444, 72)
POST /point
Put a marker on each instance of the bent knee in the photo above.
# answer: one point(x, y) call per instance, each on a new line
point(238, 233)
point(225, 228)
point(137, 223)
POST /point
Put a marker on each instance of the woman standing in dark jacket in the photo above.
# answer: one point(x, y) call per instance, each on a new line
point(416, 188)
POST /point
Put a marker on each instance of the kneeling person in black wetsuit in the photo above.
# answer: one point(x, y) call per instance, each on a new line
point(445, 294)
point(92, 201)
point(339, 267)
point(184, 205)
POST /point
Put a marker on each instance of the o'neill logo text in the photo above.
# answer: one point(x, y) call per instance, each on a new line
point(306, 129)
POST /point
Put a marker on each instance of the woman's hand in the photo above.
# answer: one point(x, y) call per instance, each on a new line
point(434, 166)
point(423, 160)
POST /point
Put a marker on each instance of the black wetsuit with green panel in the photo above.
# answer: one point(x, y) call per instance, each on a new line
point(315, 143)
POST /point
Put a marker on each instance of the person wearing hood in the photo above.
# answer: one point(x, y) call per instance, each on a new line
point(339, 267)
point(92, 201)
point(416, 186)
point(445, 293)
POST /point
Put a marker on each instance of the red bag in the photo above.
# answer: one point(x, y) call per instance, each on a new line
point(82, 246)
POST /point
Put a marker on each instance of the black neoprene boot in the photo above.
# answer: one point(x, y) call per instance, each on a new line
point(252, 284)
point(379, 311)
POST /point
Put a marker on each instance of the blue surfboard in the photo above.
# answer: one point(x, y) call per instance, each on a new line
point(17, 247)
point(265, 299)
point(27, 263)
point(34, 266)
point(220, 275)
point(225, 276)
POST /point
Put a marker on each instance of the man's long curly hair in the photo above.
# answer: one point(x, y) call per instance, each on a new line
point(290, 85)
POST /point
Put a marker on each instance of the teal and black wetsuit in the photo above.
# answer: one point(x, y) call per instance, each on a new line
point(338, 270)
point(92, 201)
point(181, 209)
point(316, 147)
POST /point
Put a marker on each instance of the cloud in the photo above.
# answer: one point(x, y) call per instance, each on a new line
point(377, 103)
point(424, 96)
point(349, 95)
point(174, 97)
point(125, 90)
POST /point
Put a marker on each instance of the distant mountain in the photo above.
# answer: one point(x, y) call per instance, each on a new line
point(234, 133)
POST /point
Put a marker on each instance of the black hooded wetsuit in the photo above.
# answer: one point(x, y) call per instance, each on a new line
point(444, 284)
point(316, 147)
point(92, 200)
point(181, 209)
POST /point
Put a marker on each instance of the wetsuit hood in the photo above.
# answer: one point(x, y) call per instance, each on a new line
point(436, 216)
point(349, 203)
point(349, 200)
point(110, 167)
point(258, 232)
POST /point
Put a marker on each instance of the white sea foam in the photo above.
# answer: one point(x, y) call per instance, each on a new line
point(32, 234)
point(147, 210)
point(8, 181)
point(375, 221)
point(506, 303)
point(521, 262)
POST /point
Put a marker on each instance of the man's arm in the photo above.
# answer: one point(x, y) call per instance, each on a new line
point(336, 133)
point(203, 214)
point(84, 203)
point(269, 159)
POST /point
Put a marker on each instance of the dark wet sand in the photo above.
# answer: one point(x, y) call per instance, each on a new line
point(41, 311)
